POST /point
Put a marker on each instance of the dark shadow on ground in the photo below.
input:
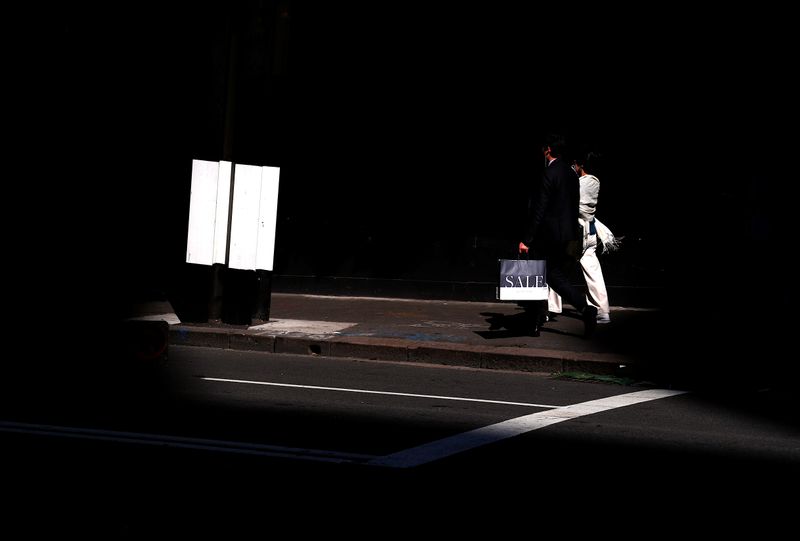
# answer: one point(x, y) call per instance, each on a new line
point(507, 326)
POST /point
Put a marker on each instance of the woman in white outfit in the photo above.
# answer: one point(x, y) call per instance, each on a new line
point(592, 229)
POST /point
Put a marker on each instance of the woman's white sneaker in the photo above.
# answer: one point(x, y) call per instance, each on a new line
point(603, 318)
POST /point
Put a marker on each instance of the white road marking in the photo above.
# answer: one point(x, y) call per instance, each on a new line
point(224, 446)
point(513, 427)
point(404, 459)
point(365, 391)
point(284, 326)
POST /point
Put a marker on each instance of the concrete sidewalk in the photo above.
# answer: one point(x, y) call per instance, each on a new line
point(493, 335)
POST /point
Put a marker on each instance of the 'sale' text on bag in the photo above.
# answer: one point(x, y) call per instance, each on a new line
point(525, 280)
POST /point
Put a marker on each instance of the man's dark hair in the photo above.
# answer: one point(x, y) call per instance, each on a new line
point(557, 144)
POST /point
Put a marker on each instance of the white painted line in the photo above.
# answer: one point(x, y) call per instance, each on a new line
point(283, 326)
point(183, 442)
point(341, 389)
point(513, 427)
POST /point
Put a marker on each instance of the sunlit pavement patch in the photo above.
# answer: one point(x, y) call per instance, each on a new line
point(285, 326)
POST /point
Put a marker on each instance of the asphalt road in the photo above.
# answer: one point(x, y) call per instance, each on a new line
point(215, 439)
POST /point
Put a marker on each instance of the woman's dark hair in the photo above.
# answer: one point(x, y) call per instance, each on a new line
point(591, 162)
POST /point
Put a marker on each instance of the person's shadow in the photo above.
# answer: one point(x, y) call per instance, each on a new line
point(515, 325)
point(505, 326)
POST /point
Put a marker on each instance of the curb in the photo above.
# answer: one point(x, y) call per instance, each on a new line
point(402, 350)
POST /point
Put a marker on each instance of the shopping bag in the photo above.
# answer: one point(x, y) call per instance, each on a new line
point(522, 280)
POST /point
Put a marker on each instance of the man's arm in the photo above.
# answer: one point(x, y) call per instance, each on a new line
point(540, 206)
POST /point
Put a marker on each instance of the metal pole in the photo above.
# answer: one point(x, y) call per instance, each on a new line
point(217, 287)
point(263, 295)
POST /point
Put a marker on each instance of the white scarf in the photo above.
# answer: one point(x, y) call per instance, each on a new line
point(590, 189)
point(610, 242)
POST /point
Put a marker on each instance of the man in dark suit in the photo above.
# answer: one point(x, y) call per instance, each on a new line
point(553, 233)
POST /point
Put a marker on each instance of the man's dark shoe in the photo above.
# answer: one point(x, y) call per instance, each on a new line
point(589, 316)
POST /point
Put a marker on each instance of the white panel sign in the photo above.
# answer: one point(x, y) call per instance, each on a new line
point(244, 224)
point(221, 215)
point(202, 212)
point(253, 218)
point(268, 216)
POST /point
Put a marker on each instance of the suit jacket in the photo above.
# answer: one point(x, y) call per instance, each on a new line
point(554, 213)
